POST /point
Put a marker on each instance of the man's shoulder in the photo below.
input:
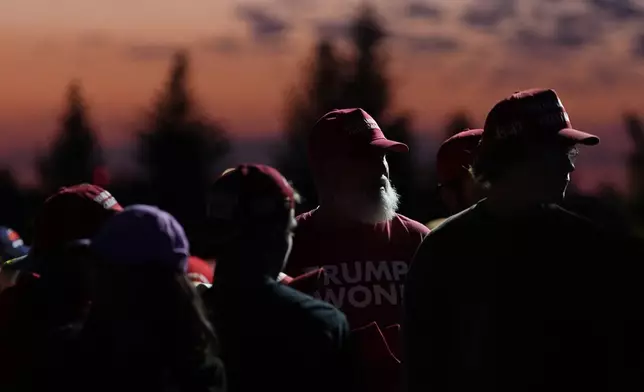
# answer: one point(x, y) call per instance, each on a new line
point(444, 242)
point(450, 232)
point(309, 309)
point(582, 231)
point(457, 222)
point(307, 303)
point(577, 227)
point(412, 226)
point(573, 218)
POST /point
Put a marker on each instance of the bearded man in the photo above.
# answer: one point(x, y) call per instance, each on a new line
point(355, 233)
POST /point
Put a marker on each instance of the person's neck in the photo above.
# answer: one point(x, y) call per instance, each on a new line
point(506, 202)
point(245, 268)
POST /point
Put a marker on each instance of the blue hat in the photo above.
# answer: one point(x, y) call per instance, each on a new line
point(12, 245)
point(34, 264)
point(143, 235)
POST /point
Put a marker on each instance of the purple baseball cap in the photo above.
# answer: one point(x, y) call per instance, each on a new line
point(143, 235)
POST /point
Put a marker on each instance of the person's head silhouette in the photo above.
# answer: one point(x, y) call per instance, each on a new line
point(457, 187)
point(251, 211)
point(527, 149)
point(348, 155)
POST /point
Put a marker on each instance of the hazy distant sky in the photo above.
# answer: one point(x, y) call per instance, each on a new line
point(444, 55)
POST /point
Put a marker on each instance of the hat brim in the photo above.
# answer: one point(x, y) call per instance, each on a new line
point(389, 145)
point(201, 288)
point(29, 263)
point(22, 263)
point(579, 137)
point(18, 252)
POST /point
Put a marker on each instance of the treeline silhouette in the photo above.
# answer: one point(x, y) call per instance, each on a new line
point(181, 150)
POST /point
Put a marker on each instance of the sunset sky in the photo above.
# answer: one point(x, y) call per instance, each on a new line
point(444, 55)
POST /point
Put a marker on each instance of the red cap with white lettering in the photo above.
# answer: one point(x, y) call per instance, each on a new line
point(346, 131)
point(528, 117)
point(72, 213)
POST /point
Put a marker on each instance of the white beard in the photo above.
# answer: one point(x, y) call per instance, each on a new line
point(369, 209)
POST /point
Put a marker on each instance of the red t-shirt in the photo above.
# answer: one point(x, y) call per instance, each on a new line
point(365, 264)
point(378, 370)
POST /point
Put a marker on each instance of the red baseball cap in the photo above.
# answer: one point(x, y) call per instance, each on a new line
point(456, 155)
point(528, 117)
point(250, 192)
point(199, 271)
point(344, 130)
point(73, 213)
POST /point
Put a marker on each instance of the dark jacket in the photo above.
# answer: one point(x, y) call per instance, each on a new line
point(540, 301)
point(39, 328)
point(274, 337)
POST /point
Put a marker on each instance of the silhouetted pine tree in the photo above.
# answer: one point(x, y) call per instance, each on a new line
point(322, 92)
point(179, 149)
point(75, 153)
point(367, 85)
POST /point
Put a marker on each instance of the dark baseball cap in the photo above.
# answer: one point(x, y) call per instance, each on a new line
point(251, 193)
point(12, 244)
point(530, 117)
point(143, 235)
point(344, 130)
point(72, 213)
point(456, 155)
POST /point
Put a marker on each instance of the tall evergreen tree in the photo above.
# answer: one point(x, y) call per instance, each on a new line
point(322, 92)
point(368, 86)
point(75, 153)
point(179, 148)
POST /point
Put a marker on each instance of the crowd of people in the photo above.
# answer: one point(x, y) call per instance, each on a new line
point(510, 293)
